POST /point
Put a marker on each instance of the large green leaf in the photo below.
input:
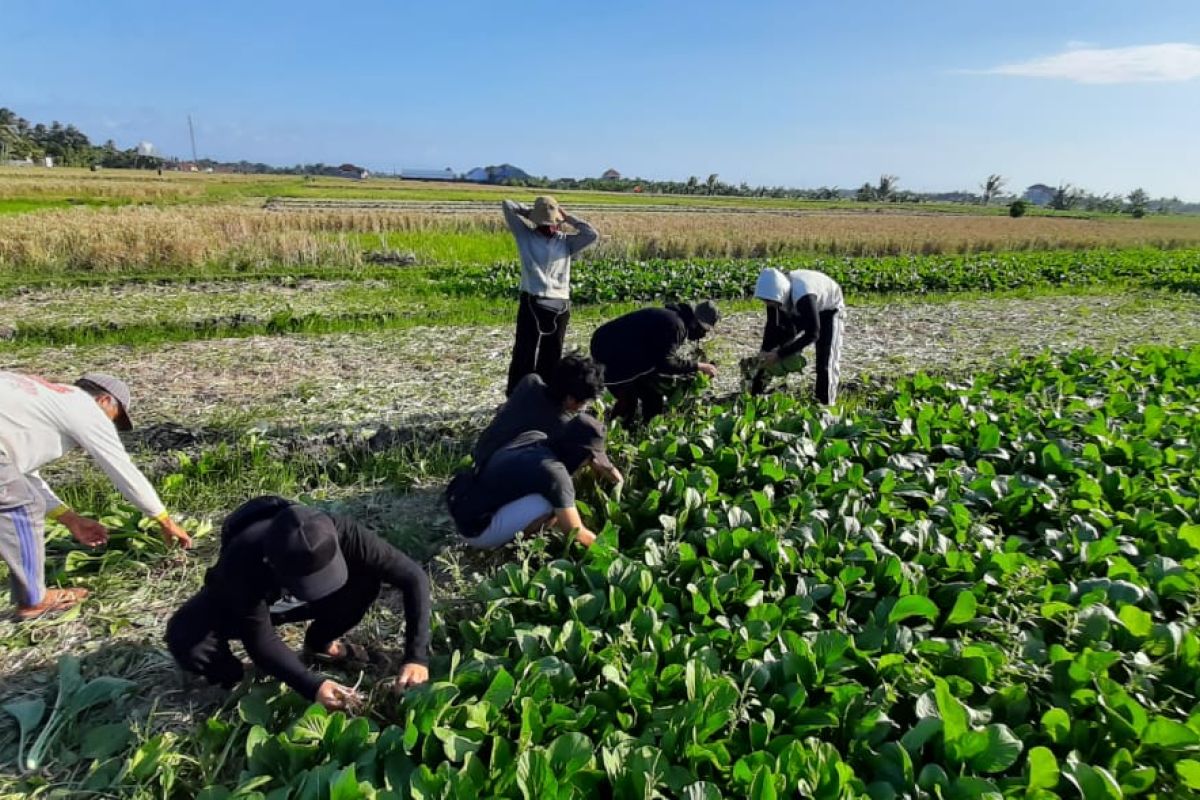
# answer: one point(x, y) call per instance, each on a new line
point(1002, 750)
point(1043, 769)
point(103, 741)
point(964, 609)
point(1169, 734)
point(535, 775)
point(1188, 770)
point(913, 606)
point(1057, 724)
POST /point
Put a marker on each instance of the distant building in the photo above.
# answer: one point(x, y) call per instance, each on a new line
point(352, 171)
point(48, 161)
point(611, 175)
point(1039, 194)
point(446, 174)
point(496, 174)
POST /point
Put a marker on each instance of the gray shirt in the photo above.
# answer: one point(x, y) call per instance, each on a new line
point(546, 260)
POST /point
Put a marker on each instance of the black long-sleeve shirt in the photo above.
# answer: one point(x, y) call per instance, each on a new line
point(244, 587)
point(790, 332)
point(642, 342)
point(530, 408)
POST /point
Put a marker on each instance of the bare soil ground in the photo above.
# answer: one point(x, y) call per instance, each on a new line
point(427, 374)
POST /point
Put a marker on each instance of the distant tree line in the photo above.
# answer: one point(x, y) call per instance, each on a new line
point(885, 190)
point(66, 144)
point(20, 139)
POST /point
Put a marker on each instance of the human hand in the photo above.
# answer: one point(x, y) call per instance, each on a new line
point(707, 369)
point(585, 537)
point(85, 530)
point(769, 358)
point(411, 674)
point(336, 697)
point(172, 532)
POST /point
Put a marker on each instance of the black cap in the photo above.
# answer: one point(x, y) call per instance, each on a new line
point(302, 549)
point(581, 439)
point(707, 315)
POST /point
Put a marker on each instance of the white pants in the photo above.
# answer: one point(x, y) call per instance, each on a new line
point(22, 534)
point(511, 519)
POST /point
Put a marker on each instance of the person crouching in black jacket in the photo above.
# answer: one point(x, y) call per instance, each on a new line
point(639, 352)
point(270, 545)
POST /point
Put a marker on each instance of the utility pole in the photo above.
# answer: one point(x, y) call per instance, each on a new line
point(192, 134)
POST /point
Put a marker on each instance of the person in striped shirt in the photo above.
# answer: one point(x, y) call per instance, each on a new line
point(40, 421)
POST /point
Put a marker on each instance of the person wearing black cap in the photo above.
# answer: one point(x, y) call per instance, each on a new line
point(640, 353)
point(330, 564)
point(527, 483)
point(40, 421)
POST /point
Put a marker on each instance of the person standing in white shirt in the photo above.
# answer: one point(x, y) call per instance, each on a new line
point(39, 422)
point(546, 252)
point(803, 307)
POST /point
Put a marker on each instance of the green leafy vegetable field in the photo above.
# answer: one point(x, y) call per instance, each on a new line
point(611, 280)
point(969, 590)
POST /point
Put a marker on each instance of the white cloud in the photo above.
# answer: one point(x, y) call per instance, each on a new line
point(1141, 64)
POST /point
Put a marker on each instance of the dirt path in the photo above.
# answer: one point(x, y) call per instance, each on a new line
point(404, 377)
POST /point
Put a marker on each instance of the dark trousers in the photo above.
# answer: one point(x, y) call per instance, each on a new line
point(647, 391)
point(539, 344)
point(826, 355)
point(199, 633)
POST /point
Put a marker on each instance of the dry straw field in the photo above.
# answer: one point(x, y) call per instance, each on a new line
point(132, 238)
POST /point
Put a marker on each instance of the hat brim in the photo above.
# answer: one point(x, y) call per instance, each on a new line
point(322, 583)
point(123, 422)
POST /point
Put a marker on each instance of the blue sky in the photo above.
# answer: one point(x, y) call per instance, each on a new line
point(1101, 94)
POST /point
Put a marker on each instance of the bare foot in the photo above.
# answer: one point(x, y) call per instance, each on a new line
point(56, 601)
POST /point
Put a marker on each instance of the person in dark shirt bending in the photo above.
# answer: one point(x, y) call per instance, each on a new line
point(270, 545)
point(527, 483)
point(640, 353)
point(538, 405)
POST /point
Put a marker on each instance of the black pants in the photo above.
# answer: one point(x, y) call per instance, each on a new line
point(825, 355)
point(648, 391)
point(539, 345)
point(198, 635)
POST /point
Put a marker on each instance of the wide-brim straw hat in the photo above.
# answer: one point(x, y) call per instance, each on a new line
point(546, 211)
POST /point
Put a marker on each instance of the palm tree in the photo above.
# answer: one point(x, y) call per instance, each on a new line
point(887, 187)
point(991, 187)
point(693, 183)
point(1065, 197)
point(711, 183)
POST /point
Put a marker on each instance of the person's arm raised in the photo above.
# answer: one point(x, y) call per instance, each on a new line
point(586, 236)
point(515, 215)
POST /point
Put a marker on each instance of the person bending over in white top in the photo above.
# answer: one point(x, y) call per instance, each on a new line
point(39, 422)
point(803, 307)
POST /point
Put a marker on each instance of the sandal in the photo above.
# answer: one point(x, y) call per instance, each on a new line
point(55, 602)
point(351, 653)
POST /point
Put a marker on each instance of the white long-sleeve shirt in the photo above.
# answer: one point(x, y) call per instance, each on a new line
point(546, 260)
point(40, 421)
